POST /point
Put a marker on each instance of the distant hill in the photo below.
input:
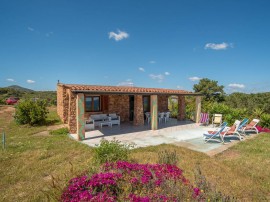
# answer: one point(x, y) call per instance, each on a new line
point(19, 88)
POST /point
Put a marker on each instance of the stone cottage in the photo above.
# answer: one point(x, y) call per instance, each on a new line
point(75, 103)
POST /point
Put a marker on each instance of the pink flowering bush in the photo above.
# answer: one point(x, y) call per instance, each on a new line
point(124, 181)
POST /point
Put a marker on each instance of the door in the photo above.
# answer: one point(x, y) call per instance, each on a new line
point(131, 107)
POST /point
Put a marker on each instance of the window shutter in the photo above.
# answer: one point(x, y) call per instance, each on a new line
point(105, 102)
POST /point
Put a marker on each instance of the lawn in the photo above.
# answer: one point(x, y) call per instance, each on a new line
point(29, 162)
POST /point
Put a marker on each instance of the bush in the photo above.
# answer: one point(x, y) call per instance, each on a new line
point(229, 114)
point(31, 112)
point(173, 107)
point(111, 151)
point(265, 121)
point(2, 101)
point(124, 181)
point(60, 131)
point(167, 157)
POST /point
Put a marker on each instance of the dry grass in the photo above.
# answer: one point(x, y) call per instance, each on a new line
point(29, 162)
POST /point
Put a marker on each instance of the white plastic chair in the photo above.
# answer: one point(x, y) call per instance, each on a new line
point(161, 117)
point(148, 118)
point(167, 116)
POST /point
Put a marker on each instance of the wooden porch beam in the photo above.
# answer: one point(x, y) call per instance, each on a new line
point(154, 112)
point(80, 116)
point(198, 108)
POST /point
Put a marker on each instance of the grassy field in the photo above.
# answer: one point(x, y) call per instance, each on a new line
point(32, 158)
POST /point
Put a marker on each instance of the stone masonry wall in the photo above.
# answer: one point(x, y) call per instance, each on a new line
point(163, 103)
point(62, 102)
point(119, 104)
point(181, 108)
point(138, 110)
point(72, 121)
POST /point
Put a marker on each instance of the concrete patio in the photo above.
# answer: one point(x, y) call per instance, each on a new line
point(181, 133)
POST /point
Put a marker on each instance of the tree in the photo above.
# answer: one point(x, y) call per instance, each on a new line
point(210, 89)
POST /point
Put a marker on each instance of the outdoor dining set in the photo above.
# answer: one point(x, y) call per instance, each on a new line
point(163, 117)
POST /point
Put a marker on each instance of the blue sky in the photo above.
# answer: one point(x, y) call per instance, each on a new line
point(158, 43)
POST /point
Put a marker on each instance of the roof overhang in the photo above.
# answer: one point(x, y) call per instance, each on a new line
point(133, 93)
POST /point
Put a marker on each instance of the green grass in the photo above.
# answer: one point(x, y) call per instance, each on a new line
point(29, 161)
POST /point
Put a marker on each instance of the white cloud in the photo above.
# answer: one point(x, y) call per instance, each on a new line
point(158, 77)
point(152, 62)
point(236, 85)
point(31, 29)
point(11, 80)
point(118, 37)
point(30, 81)
point(142, 69)
point(128, 82)
point(216, 46)
point(194, 78)
point(167, 73)
point(49, 34)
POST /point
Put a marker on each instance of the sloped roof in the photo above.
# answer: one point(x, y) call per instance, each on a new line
point(76, 88)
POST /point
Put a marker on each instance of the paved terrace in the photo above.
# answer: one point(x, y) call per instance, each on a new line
point(181, 133)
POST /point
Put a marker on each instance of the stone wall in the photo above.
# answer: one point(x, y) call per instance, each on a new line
point(163, 103)
point(62, 102)
point(138, 110)
point(119, 104)
point(72, 120)
point(181, 108)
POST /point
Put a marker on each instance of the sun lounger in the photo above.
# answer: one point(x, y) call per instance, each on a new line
point(215, 135)
point(251, 127)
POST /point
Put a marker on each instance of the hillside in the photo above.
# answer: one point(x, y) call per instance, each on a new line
point(19, 88)
point(25, 93)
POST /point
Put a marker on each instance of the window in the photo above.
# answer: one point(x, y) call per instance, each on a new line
point(92, 103)
point(146, 103)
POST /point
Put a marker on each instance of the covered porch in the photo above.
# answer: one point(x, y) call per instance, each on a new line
point(76, 103)
point(134, 118)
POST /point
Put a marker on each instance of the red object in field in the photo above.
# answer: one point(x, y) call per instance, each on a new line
point(12, 100)
point(260, 129)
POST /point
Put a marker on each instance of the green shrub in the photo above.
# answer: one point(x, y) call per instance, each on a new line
point(2, 101)
point(60, 131)
point(173, 107)
point(31, 112)
point(265, 121)
point(167, 157)
point(111, 151)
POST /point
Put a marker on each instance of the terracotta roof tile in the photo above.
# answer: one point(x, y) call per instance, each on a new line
point(123, 89)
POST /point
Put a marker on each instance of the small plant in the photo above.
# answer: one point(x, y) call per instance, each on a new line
point(31, 112)
point(265, 121)
point(60, 131)
point(111, 151)
point(206, 191)
point(257, 112)
point(167, 157)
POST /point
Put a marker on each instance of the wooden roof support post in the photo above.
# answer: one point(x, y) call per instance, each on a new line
point(80, 116)
point(198, 108)
point(154, 112)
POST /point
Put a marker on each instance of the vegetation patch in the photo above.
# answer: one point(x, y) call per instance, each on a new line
point(31, 112)
point(111, 151)
point(124, 181)
point(60, 131)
